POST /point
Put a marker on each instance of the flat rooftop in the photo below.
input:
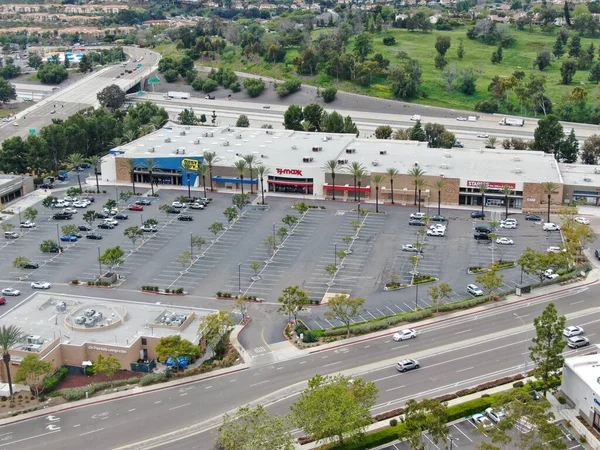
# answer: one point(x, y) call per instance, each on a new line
point(79, 320)
point(580, 175)
point(587, 367)
point(288, 148)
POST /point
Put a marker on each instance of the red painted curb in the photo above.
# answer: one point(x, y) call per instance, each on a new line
point(131, 394)
point(444, 319)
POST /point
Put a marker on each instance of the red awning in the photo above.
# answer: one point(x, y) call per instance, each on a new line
point(289, 183)
point(329, 187)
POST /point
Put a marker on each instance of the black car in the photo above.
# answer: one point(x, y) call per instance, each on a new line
point(121, 216)
point(30, 265)
point(186, 218)
point(106, 226)
point(55, 249)
point(61, 178)
point(481, 236)
point(597, 254)
point(533, 217)
point(62, 216)
point(94, 236)
point(416, 223)
point(46, 186)
point(437, 219)
point(86, 166)
point(102, 215)
point(143, 202)
point(477, 215)
point(173, 210)
point(84, 228)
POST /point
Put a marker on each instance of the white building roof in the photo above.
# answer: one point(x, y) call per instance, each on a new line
point(587, 368)
point(580, 175)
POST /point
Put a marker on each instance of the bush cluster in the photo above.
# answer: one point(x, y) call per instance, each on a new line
point(287, 87)
point(50, 382)
point(153, 378)
point(237, 297)
point(309, 337)
point(150, 288)
point(75, 281)
point(79, 393)
point(97, 283)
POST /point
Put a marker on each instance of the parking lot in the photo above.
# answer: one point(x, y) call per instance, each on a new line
point(374, 252)
point(466, 436)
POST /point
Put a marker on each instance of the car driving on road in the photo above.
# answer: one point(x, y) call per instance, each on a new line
point(10, 292)
point(40, 285)
point(404, 334)
point(578, 341)
point(572, 331)
point(407, 364)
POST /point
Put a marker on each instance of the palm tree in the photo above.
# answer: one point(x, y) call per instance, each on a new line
point(392, 172)
point(147, 129)
point(157, 122)
point(151, 165)
point(549, 188)
point(250, 160)
point(240, 167)
point(377, 179)
point(358, 171)
point(95, 162)
point(440, 185)
point(116, 142)
point(76, 160)
point(210, 158)
point(262, 172)
point(9, 336)
point(187, 166)
point(131, 166)
point(331, 166)
point(416, 173)
point(202, 172)
point(506, 190)
point(420, 183)
point(130, 135)
point(483, 188)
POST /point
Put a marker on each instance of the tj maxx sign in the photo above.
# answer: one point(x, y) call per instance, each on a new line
point(489, 184)
point(289, 172)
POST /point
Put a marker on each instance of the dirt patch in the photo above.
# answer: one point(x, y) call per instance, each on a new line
point(75, 381)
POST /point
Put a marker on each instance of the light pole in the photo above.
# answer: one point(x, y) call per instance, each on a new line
point(521, 275)
point(358, 212)
point(192, 245)
point(19, 216)
point(452, 439)
point(417, 295)
point(142, 219)
point(99, 262)
point(240, 278)
point(117, 194)
point(274, 225)
point(335, 254)
point(57, 238)
point(527, 339)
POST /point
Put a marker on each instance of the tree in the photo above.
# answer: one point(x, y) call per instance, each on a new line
point(426, 415)
point(210, 158)
point(262, 172)
point(85, 65)
point(497, 55)
point(30, 214)
point(548, 135)
point(292, 300)
point(466, 81)
point(240, 166)
point(95, 162)
point(113, 256)
point(434, 294)
point(332, 166)
point(344, 309)
point(416, 173)
point(442, 44)
point(216, 228)
point(591, 150)
point(292, 118)
point(9, 336)
point(151, 166)
point(549, 188)
point(348, 403)
point(483, 188)
point(70, 230)
point(107, 366)
point(230, 213)
point(31, 371)
point(558, 49)
point(242, 121)
point(254, 429)
point(250, 160)
point(214, 327)
point(133, 234)
point(76, 160)
point(289, 220)
point(187, 117)
point(460, 51)
point(363, 45)
point(391, 172)
point(543, 59)
point(567, 71)
point(377, 179)
point(439, 185)
point(52, 73)
point(569, 148)
point(417, 133)
point(185, 258)
point(175, 347)
point(548, 345)
point(255, 265)
point(534, 263)
point(34, 61)
point(329, 94)
point(7, 227)
point(20, 261)
point(7, 91)
point(111, 97)
point(110, 203)
point(358, 172)
point(89, 217)
point(406, 80)
point(491, 279)
point(197, 242)
point(575, 47)
point(254, 86)
point(506, 190)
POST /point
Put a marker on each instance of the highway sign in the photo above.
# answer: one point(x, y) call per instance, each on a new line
point(153, 81)
point(140, 93)
point(32, 131)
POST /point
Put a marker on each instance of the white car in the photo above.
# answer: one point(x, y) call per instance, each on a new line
point(554, 249)
point(508, 225)
point(404, 334)
point(550, 274)
point(70, 210)
point(178, 205)
point(10, 292)
point(474, 290)
point(40, 285)
point(495, 415)
point(27, 224)
point(483, 421)
point(197, 206)
point(68, 198)
point(483, 135)
point(149, 228)
point(549, 226)
point(572, 331)
point(418, 215)
point(113, 222)
point(437, 226)
point(504, 241)
point(582, 220)
point(62, 204)
point(80, 204)
point(436, 232)
point(409, 248)
point(462, 118)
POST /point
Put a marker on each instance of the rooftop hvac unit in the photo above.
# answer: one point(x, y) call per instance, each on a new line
point(226, 144)
point(196, 141)
point(442, 175)
point(177, 151)
point(187, 128)
point(183, 151)
point(596, 169)
point(317, 149)
point(167, 140)
point(416, 163)
point(34, 348)
point(447, 155)
point(518, 170)
point(238, 136)
point(307, 160)
point(350, 150)
point(269, 131)
point(327, 138)
point(444, 166)
point(294, 147)
point(342, 161)
point(182, 133)
point(151, 149)
point(516, 158)
point(31, 339)
point(587, 179)
point(264, 156)
point(383, 152)
point(375, 163)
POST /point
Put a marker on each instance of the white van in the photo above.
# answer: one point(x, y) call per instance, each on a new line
point(415, 117)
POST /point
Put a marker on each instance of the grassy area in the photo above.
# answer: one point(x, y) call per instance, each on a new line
point(7, 112)
point(33, 78)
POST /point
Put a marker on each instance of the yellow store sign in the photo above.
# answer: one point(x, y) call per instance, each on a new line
point(191, 163)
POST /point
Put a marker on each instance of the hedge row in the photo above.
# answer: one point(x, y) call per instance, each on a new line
point(50, 383)
point(79, 393)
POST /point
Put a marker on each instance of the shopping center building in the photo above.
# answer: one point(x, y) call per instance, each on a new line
point(296, 165)
point(581, 385)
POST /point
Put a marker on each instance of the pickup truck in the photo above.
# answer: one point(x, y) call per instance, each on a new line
point(209, 97)
point(550, 274)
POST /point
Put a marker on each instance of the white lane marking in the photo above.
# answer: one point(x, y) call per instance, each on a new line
point(332, 364)
point(231, 381)
point(463, 331)
point(28, 438)
point(400, 346)
point(90, 432)
point(575, 303)
point(208, 387)
point(156, 403)
point(262, 382)
point(463, 433)
point(185, 393)
point(385, 378)
point(303, 362)
point(394, 388)
point(132, 409)
point(180, 406)
point(464, 370)
point(78, 425)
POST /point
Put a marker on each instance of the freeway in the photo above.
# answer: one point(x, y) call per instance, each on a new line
point(67, 100)
point(457, 352)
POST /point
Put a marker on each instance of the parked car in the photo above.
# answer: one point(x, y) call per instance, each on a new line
point(143, 202)
point(68, 238)
point(474, 290)
point(483, 135)
point(482, 236)
point(437, 219)
point(106, 226)
point(80, 204)
point(407, 364)
point(112, 221)
point(10, 292)
point(582, 220)
point(419, 215)
point(572, 331)
point(550, 274)
point(479, 420)
point(84, 228)
point(477, 215)
point(459, 144)
point(55, 249)
point(70, 210)
point(197, 205)
point(27, 224)
point(404, 334)
point(135, 208)
point(62, 216)
point(409, 248)
point(461, 118)
point(578, 341)
point(178, 205)
point(46, 186)
point(436, 232)
point(495, 415)
point(11, 235)
point(121, 216)
point(504, 241)
point(554, 249)
point(508, 225)
point(29, 265)
point(102, 215)
point(533, 217)
point(149, 228)
point(185, 218)
point(550, 227)
point(40, 285)
point(94, 236)
point(597, 254)
point(416, 223)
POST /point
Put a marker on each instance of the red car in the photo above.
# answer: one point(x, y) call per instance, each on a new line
point(2, 300)
point(136, 208)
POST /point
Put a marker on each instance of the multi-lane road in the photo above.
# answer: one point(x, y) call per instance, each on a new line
point(463, 351)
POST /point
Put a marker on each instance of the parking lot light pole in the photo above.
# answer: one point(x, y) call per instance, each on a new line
point(99, 262)
point(274, 225)
point(19, 216)
point(57, 236)
point(117, 194)
point(192, 245)
point(142, 219)
point(527, 340)
point(358, 211)
point(452, 439)
point(240, 278)
point(335, 254)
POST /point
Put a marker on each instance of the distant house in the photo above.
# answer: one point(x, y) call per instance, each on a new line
point(497, 18)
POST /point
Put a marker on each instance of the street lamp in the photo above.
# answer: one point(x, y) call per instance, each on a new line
point(527, 339)
point(19, 216)
point(335, 254)
point(192, 245)
point(99, 262)
point(240, 278)
point(117, 194)
point(358, 211)
point(274, 225)
point(452, 439)
point(57, 238)
point(142, 219)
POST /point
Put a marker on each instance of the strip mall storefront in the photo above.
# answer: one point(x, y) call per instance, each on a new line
point(290, 181)
point(494, 196)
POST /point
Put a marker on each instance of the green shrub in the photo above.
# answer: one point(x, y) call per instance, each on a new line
point(50, 382)
point(418, 315)
point(393, 422)
point(75, 281)
point(219, 294)
point(469, 408)
point(167, 291)
point(309, 337)
point(518, 384)
point(179, 291)
point(300, 328)
point(562, 400)
point(90, 283)
point(78, 393)
point(153, 378)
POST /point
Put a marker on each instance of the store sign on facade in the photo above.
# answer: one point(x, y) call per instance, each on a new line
point(490, 184)
point(193, 164)
point(289, 172)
